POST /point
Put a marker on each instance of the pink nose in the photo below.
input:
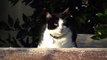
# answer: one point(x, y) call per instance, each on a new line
point(60, 30)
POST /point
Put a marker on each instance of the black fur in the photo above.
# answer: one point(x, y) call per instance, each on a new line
point(69, 22)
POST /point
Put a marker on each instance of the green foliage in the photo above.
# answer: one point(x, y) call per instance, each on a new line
point(22, 38)
point(99, 14)
point(105, 11)
point(88, 15)
point(101, 29)
point(13, 2)
point(100, 32)
point(102, 14)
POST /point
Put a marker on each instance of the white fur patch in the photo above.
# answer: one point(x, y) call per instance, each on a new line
point(63, 42)
point(50, 42)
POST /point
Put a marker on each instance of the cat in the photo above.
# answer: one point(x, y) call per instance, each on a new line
point(59, 31)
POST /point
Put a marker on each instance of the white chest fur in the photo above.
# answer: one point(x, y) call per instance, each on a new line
point(50, 42)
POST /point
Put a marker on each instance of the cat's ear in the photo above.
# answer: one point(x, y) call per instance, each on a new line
point(48, 15)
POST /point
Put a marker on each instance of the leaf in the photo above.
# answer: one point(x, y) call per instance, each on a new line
point(4, 26)
point(99, 14)
point(95, 37)
point(9, 39)
point(16, 25)
point(27, 40)
point(100, 32)
point(25, 26)
point(10, 21)
point(22, 42)
point(26, 43)
point(26, 1)
point(82, 19)
point(35, 41)
point(16, 43)
point(26, 19)
point(105, 11)
point(21, 34)
point(13, 2)
point(2, 41)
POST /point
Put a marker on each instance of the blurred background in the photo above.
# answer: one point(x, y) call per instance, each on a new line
point(21, 21)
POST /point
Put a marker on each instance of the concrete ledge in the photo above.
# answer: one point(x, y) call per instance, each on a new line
point(53, 54)
point(85, 41)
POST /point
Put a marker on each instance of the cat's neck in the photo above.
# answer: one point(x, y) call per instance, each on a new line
point(51, 42)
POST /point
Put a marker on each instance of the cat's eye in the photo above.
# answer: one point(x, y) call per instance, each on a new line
point(56, 24)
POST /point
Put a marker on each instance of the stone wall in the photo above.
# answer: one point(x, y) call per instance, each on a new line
point(53, 54)
point(85, 41)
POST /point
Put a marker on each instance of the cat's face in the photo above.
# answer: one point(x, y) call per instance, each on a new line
point(58, 25)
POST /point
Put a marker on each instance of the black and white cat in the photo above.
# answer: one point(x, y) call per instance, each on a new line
point(59, 31)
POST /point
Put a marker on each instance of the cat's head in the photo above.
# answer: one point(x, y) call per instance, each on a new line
point(59, 24)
